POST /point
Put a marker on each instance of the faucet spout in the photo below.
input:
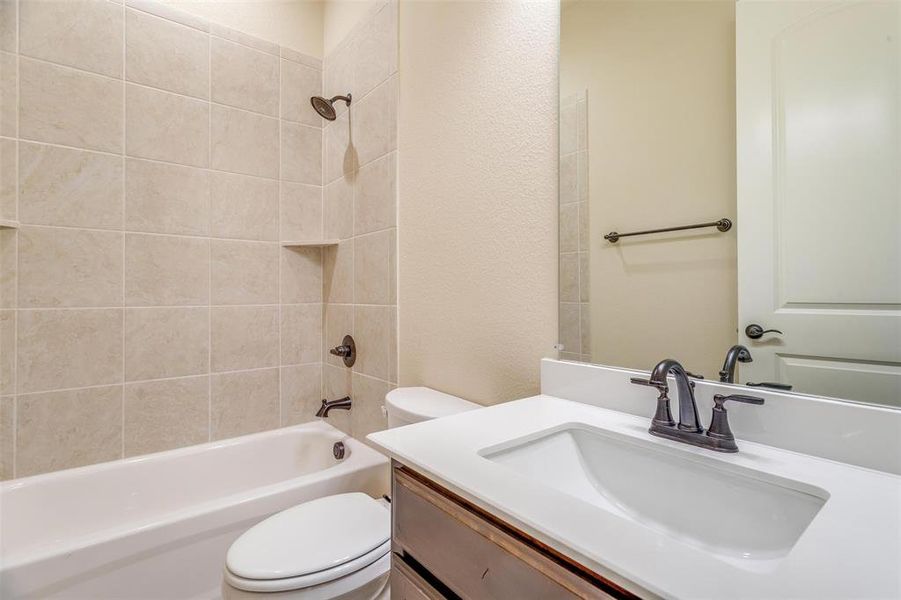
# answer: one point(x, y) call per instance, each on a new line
point(688, 409)
point(736, 354)
point(328, 405)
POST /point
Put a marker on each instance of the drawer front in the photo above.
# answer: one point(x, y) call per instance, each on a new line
point(470, 555)
point(406, 584)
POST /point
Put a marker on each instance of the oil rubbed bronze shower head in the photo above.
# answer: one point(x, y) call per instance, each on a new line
point(326, 107)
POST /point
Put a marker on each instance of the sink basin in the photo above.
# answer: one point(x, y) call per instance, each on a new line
point(720, 507)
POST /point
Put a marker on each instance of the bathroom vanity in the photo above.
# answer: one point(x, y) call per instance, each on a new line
point(567, 495)
point(442, 543)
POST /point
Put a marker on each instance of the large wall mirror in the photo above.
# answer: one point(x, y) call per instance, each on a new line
point(775, 126)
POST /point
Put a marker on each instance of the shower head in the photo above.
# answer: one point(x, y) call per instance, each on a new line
point(326, 107)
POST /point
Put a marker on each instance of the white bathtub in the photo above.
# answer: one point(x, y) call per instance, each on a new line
point(158, 526)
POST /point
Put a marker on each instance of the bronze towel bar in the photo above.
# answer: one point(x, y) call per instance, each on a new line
point(723, 224)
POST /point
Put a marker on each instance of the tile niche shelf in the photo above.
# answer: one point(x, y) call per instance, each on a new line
point(8, 224)
point(310, 244)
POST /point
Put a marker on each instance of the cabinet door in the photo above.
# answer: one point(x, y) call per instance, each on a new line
point(406, 584)
point(472, 557)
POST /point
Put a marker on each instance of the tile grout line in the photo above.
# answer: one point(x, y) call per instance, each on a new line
point(15, 304)
point(278, 218)
point(209, 331)
point(123, 218)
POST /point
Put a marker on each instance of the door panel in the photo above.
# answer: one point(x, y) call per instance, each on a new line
point(819, 194)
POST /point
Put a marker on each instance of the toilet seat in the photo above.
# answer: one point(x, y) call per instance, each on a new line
point(321, 541)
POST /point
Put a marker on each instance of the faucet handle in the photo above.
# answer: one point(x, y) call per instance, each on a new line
point(662, 387)
point(662, 416)
point(720, 433)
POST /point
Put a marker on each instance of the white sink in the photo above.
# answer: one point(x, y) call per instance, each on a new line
point(732, 511)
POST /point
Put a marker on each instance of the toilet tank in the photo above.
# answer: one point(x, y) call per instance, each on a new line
point(409, 405)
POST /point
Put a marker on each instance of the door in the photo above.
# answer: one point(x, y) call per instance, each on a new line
point(819, 195)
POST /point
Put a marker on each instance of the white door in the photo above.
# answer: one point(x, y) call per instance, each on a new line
point(819, 195)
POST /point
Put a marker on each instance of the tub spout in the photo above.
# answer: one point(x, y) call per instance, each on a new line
point(327, 405)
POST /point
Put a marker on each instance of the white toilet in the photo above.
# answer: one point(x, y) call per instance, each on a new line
point(335, 547)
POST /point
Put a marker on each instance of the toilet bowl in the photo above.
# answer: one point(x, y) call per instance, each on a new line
point(331, 548)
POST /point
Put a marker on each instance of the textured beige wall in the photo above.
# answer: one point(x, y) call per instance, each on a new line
point(295, 24)
point(477, 262)
point(660, 78)
point(146, 302)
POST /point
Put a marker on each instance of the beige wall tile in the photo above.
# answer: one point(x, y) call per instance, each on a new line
point(338, 322)
point(301, 153)
point(569, 328)
point(375, 122)
point(338, 72)
point(582, 175)
point(164, 198)
point(166, 342)
point(166, 126)
point(162, 415)
point(68, 348)
point(244, 272)
point(367, 415)
point(7, 430)
point(375, 279)
point(301, 275)
point(339, 209)
point(167, 55)
point(244, 207)
point(68, 107)
point(584, 281)
point(73, 188)
point(301, 212)
point(568, 129)
point(376, 50)
point(8, 175)
point(569, 227)
point(61, 430)
point(69, 267)
point(8, 245)
point(375, 331)
point(170, 13)
point(244, 402)
point(240, 37)
point(583, 227)
point(375, 195)
point(8, 352)
point(585, 327)
point(243, 77)
point(79, 33)
point(569, 277)
point(8, 25)
point(244, 337)
point(166, 271)
point(301, 392)
point(338, 273)
point(9, 75)
point(301, 333)
point(299, 84)
point(300, 57)
point(244, 142)
point(569, 179)
point(340, 152)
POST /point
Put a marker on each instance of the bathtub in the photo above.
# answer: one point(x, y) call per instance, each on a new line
point(158, 526)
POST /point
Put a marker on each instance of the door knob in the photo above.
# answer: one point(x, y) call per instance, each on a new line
point(755, 331)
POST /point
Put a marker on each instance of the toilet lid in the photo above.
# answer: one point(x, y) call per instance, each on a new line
point(315, 536)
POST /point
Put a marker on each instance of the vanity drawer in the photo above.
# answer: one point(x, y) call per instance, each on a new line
point(407, 584)
point(472, 556)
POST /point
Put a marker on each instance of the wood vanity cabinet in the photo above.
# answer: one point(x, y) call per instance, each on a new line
point(443, 547)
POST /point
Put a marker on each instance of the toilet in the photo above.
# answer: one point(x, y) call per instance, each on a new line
point(331, 548)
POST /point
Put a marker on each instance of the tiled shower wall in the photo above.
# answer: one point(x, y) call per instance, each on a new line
point(361, 211)
point(575, 313)
point(155, 163)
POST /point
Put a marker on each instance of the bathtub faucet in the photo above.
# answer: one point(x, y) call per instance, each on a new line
point(327, 405)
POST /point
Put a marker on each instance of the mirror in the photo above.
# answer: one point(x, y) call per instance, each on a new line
point(685, 115)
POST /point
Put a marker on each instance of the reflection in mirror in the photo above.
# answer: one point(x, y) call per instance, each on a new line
point(675, 114)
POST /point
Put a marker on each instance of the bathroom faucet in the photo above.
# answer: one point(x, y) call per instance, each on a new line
point(328, 405)
point(736, 354)
point(719, 437)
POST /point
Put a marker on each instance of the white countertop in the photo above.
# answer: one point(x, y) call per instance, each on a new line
point(852, 549)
